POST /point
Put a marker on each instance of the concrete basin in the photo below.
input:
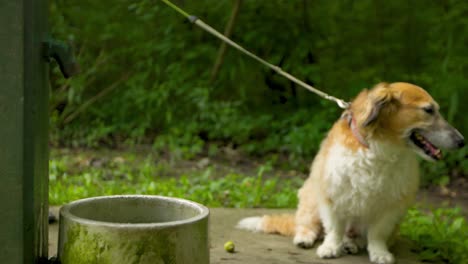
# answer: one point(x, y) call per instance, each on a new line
point(133, 229)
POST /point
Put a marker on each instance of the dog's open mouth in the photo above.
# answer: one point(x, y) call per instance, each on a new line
point(426, 146)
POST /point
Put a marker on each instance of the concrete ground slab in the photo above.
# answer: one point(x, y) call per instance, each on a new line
point(260, 248)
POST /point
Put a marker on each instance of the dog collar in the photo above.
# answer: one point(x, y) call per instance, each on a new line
point(354, 129)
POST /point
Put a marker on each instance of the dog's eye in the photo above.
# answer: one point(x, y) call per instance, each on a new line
point(429, 110)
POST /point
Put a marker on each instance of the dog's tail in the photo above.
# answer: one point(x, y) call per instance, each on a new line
point(272, 224)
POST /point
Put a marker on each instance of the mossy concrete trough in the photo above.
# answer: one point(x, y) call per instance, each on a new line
point(133, 229)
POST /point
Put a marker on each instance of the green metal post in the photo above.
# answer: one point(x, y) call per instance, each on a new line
point(23, 133)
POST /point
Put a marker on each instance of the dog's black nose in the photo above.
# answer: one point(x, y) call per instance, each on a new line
point(461, 143)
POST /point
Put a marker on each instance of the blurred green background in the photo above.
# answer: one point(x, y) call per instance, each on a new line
point(147, 73)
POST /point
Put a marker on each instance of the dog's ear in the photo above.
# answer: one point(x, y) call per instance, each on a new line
point(378, 98)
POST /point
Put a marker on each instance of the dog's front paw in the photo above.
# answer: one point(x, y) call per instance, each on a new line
point(381, 257)
point(305, 240)
point(329, 251)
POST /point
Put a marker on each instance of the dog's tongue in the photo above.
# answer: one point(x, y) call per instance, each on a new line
point(434, 151)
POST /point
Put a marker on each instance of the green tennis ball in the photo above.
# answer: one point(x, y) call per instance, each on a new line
point(229, 247)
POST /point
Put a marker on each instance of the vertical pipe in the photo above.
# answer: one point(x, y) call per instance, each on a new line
point(23, 137)
point(36, 123)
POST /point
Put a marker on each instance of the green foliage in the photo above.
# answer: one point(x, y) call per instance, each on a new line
point(440, 235)
point(145, 71)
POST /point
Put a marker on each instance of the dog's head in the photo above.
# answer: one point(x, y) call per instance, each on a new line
point(406, 115)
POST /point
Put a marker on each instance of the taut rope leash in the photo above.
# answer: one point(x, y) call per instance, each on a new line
point(193, 19)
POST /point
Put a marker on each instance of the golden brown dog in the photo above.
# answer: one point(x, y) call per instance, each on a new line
point(365, 175)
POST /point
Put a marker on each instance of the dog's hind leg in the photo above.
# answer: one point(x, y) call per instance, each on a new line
point(308, 224)
point(354, 240)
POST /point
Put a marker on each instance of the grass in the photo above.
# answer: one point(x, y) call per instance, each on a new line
point(232, 189)
point(439, 235)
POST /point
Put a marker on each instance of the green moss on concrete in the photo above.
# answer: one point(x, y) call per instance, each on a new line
point(85, 245)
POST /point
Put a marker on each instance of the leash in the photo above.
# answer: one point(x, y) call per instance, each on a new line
point(195, 20)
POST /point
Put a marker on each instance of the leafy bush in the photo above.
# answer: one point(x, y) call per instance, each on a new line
point(440, 235)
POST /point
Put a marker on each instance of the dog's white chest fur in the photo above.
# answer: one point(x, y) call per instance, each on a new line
point(361, 184)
